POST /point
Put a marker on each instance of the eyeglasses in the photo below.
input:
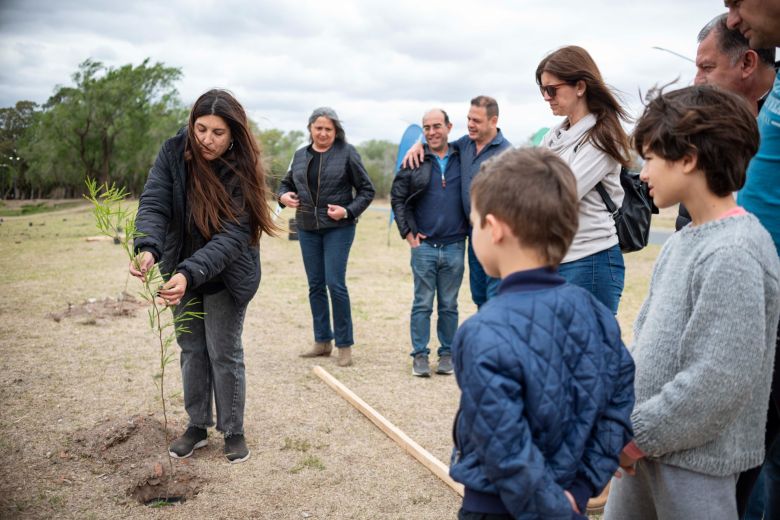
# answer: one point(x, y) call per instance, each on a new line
point(551, 90)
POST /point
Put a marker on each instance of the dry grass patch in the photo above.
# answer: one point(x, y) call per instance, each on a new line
point(313, 455)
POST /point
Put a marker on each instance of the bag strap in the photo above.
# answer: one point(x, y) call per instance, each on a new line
point(607, 199)
point(613, 210)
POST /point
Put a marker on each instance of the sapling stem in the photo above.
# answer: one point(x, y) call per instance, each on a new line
point(111, 217)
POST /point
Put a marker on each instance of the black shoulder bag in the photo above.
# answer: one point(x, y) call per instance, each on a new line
point(632, 219)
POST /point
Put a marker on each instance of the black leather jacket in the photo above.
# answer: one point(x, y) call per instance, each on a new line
point(408, 185)
point(342, 172)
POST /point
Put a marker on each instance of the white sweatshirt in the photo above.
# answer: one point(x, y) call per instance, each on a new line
point(590, 165)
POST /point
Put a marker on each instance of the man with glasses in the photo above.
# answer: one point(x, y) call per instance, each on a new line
point(427, 204)
point(483, 141)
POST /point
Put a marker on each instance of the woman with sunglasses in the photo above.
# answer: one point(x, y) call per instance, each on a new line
point(593, 143)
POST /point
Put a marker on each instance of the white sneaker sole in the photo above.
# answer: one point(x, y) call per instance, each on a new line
point(199, 444)
point(237, 461)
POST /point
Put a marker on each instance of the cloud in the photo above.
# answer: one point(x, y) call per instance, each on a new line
point(380, 64)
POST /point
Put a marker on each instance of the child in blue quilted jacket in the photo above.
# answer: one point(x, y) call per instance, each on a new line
point(704, 338)
point(546, 382)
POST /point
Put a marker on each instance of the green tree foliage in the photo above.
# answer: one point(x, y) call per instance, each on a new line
point(109, 126)
point(14, 122)
point(379, 159)
point(278, 148)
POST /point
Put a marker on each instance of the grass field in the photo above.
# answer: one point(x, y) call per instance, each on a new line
point(313, 455)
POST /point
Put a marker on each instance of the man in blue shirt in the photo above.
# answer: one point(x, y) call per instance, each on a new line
point(483, 141)
point(428, 210)
point(759, 22)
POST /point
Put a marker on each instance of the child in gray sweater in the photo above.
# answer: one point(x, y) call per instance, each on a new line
point(704, 338)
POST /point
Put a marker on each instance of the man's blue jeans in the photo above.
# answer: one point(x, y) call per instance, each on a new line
point(602, 274)
point(438, 270)
point(483, 287)
point(765, 499)
point(325, 254)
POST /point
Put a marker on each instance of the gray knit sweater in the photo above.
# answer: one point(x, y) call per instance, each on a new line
point(704, 346)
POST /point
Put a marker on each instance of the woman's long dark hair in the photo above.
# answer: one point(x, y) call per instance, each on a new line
point(210, 203)
point(572, 64)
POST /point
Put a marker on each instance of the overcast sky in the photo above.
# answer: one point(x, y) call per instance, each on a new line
point(380, 64)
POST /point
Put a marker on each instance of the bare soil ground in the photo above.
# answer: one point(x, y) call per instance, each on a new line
point(80, 419)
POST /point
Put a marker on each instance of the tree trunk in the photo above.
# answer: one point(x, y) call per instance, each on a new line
point(105, 169)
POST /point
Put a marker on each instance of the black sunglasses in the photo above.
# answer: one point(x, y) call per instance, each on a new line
point(551, 90)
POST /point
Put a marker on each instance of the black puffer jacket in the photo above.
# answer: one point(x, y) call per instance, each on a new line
point(408, 184)
point(162, 218)
point(342, 172)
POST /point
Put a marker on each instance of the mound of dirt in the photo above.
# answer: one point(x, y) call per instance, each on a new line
point(135, 448)
point(119, 441)
point(92, 309)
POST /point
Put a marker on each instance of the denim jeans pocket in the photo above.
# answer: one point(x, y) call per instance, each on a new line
point(617, 266)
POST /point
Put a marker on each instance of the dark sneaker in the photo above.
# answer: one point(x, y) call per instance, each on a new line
point(420, 367)
point(192, 439)
point(235, 449)
point(445, 365)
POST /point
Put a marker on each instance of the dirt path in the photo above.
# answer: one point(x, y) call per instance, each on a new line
point(51, 214)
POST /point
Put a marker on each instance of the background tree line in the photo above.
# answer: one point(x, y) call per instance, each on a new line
point(110, 124)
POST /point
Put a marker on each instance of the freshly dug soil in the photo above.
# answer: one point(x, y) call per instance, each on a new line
point(134, 449)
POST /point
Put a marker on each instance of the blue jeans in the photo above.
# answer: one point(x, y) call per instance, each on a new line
point(771, 473)
point(325, 254)
point(602, 274)
point(764, 501)
point(212, 362)
point(438, 270)
point(483, 287)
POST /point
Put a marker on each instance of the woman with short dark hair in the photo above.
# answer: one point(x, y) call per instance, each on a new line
point(329, 188)
point(201, 215)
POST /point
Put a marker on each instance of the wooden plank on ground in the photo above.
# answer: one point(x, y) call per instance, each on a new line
point(433, 464)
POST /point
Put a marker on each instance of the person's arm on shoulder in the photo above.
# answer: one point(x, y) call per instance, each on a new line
point(498, 429)
point(724, 342)
point(414, 156)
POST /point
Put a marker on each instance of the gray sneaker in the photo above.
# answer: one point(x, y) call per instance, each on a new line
point(445, 365)
point(192, 439)
point(235, 449)
point(420, 367)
